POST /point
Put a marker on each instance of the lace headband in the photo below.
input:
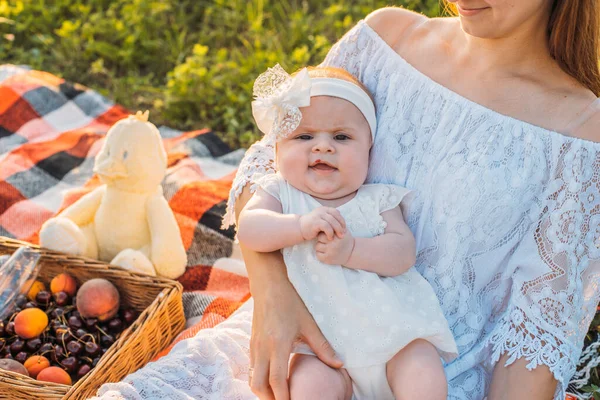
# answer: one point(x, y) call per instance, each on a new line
point(279, 97)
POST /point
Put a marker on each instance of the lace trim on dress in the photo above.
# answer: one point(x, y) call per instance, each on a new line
point(258, 161)
point(519, 337)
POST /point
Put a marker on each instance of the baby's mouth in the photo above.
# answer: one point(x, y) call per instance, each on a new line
point(322, 166)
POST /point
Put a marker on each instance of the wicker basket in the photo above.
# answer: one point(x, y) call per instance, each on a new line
point(158, 300)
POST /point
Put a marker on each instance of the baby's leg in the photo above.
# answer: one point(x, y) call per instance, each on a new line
point(310, 379)
point(416, 372)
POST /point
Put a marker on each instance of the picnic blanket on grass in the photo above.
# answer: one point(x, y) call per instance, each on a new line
point(50, 132)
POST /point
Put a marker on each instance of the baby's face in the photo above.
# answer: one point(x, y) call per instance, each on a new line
point(327, 156)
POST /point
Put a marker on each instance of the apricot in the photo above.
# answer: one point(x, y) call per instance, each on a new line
point(13, 366)
point(35, 364)
point(98, 298)
point(63, 283)
point(35, 288)
point(54, 374)
point(30, 323)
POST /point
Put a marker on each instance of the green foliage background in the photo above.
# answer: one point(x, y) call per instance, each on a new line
point(191, 62)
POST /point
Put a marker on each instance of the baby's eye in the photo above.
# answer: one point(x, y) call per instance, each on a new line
point(304, 137)
point(125, 154)
point(341, 137)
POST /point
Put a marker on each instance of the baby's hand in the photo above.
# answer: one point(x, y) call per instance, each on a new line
point(323, 219)
point(336, 251)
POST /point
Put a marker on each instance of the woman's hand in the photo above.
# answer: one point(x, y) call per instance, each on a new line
point(280, 319)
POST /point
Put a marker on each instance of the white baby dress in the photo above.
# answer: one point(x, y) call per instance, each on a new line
point(367, 318)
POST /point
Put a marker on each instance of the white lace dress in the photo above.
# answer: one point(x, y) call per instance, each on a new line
point(506, 217)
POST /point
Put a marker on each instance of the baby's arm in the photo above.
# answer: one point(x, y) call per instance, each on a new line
point(390, 254)
point(263, 228)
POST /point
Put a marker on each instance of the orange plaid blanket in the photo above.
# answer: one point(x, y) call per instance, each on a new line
point(50, 132)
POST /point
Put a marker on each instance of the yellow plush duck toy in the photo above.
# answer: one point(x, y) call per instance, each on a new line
point(126, 221)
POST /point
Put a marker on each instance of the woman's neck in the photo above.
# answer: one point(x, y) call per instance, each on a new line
point(522, 52)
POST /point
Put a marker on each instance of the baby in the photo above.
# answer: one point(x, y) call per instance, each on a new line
point(347, 248)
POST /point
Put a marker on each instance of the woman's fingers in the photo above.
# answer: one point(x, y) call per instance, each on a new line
point(278, 372)
point(259, 381)
point(320, 346)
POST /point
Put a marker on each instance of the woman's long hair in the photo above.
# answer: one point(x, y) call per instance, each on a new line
point(574, 39)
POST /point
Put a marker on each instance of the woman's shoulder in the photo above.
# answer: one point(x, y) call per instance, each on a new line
point(393, 23)
point(400, 27)
point(590, 129)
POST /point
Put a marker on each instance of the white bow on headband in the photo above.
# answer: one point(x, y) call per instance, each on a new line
point(278, 97)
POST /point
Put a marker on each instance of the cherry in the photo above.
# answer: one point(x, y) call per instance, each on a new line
point(43, 298)
point(22, 357)
point(17, 346)
point(80, 333)
point(30, 304)
point(90, 324)
point(74, 347)
point(107, 340)
point(115, 325)
point(46, 348)
point(64, 337)
point(75, 322)
point(70, 364)
point(84, 369)
point(92, 349)
point(33, 344)
point(59, 353)
point(10, 328)
point(61, 298)
point(57, 312)
point(129, 316)
point(21, 301)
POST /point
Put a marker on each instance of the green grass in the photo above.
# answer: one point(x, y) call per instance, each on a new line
point(191, 62)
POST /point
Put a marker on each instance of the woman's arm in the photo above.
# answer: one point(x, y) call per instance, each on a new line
point(280, 318)
point(517, 382)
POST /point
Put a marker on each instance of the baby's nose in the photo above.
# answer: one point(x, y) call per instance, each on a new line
point(324, 146)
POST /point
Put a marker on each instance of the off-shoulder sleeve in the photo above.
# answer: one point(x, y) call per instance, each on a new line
point(349, 53)
point(555, 283)
point(353, 51)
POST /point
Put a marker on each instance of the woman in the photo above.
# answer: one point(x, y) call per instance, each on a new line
point(493, 119)
point(436, 82)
